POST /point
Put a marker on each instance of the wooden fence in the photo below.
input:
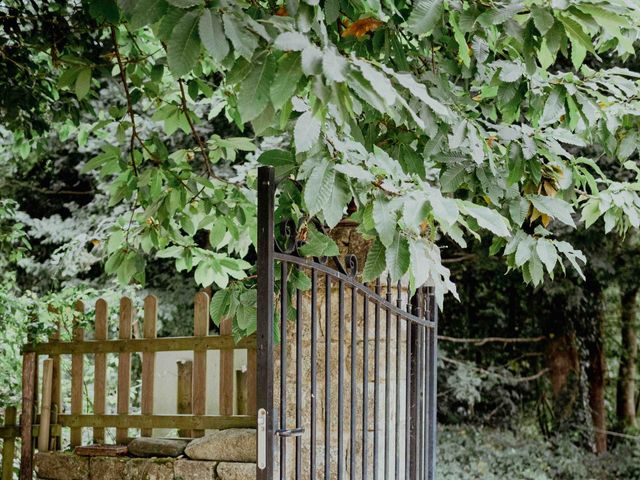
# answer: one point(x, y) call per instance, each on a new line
point(191, 418)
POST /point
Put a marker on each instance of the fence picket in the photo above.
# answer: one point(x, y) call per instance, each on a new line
point(148, 360)
point(226, 372)
point(29, 379)
point(45, 406)
point(100, 367)
point(124, 366)
point(77, 373)
point(185, 380)
point(200, 328)
point(8, 445)
point(56, 381)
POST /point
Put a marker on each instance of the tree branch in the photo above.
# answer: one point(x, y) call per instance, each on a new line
point(482, 341)
point(123, 78)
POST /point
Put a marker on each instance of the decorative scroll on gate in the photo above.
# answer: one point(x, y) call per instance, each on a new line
point(348, 371)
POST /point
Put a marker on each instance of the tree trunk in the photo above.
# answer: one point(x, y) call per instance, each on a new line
point(564, 372)
point(596, 371)
point(626, 388)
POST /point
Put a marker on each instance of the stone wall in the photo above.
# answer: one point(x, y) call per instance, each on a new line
point(68, 466)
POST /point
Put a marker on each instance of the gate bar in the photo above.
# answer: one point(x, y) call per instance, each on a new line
point(266, 189)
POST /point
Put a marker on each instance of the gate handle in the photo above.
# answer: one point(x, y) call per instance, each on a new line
point(290, 432)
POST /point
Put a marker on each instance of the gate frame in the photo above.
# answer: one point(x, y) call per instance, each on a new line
point(267, 414)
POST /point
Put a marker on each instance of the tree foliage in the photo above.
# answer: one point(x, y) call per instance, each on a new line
point(435, 118)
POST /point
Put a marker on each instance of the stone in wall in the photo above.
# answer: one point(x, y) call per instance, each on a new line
point(61, 466)
point(231, 445)
point(185, 469)
point(149, 469)
point(236, 471)
point(157, 447)
point(108, 468)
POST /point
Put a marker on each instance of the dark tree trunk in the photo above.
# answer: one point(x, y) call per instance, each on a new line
point(597, 369)
point(564, 372)
point(626, 387)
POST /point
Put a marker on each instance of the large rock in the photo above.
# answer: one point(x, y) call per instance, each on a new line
point(108, 468)
point(232, 445)
point(61, 466)
point(157, 447)
point(194, 470)
point(236, 471)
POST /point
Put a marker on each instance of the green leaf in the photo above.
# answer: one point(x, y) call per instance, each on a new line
point(219, 305)
point(385, 220)
point(147, 12)
point(254, 90)
point(397, 257)
point(546, 250)
point(204, 273)
point(318, 245)
point(306, 131)
point(285, 84)
point(554, 107)
point(542, 19)
point(576, 33)
point(83, 83)
point(487, 218)
point(554, 207)
point(333, 210)
point(375, 263)
point(334, 65)
point(212, 35)
point(244, 41)
point(291, 42)
point(185, 3)
point(319, 186)
point(183, 48)
point(425, 16)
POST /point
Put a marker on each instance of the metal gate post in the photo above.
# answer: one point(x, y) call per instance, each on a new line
point(266, 192)
point(432, 389)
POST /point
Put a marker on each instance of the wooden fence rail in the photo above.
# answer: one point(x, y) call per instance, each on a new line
point(191, 418)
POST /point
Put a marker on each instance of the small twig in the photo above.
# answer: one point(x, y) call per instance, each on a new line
point(460, 258)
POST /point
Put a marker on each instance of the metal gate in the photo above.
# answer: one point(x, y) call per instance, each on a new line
point(346, 372)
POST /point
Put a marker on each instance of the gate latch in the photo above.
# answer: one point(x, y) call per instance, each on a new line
point(290, 432)
point(262, 439)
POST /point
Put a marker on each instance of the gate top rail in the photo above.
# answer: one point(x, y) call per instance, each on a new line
point(373, 296)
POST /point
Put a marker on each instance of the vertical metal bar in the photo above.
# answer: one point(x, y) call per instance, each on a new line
point(387, 385)
point(413, 381)
point(352, 395)
point(284, 297)
point(327, 378)
point(365, 386)
point(432, 390)
point(376, 388)
point(341, 380)
point(398, 371)
point(264, 385)
point(298, 378)
point(314, 360)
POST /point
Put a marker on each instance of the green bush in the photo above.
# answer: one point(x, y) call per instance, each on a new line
point(469, 453)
